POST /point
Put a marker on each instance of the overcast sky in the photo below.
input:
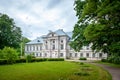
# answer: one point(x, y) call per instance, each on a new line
point(37, 17)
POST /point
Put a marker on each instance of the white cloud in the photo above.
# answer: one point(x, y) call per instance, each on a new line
point(36, 17)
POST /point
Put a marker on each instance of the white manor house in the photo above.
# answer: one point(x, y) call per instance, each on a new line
point(56, 45)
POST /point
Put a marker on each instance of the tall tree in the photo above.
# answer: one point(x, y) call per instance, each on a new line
point(10, 34)
point(101, 20)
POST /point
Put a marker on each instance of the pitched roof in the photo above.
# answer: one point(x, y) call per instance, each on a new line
point(60, 32)
point(38, 40)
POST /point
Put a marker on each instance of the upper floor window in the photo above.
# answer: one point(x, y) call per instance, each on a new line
point(27, 48)
point(61, 41)
point(62, 46)
point(46, 47)
point(53, 47)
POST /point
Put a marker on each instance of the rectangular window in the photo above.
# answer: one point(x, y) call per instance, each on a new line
point(37, 47)
point(40, 54)
point(70, 54)
point(36, 54)
point(81, 54)
point(87, 54)
point(62, 47)
point(61, 54)
point(93, 55)
point(45, 54)
point(27, 48)
point(40, 47)
point(53, 47)
point(100, 55)
point(46, 47)
point(75, 54)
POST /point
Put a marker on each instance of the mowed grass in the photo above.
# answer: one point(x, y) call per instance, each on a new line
point(53, 71)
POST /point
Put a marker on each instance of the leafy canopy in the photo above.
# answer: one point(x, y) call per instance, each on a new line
point(99, 24)
point(10, 34)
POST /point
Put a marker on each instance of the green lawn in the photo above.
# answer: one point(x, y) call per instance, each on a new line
point(53, 71)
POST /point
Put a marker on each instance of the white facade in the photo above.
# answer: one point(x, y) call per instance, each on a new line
point(56, 45)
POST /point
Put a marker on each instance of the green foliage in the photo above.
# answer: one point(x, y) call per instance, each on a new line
point(55, 59)
point(10, 55)
point(10, 34)
point(99, 24)
point(83, 58)
point(3, 61)
point(28, 58)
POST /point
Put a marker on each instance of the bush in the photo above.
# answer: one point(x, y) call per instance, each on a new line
point(55, 59)
point(10, 55)
point(21, 60)
point(116, 60)
point(83, 58)
point(104, 60)
point(29, 58)
point(3, 61)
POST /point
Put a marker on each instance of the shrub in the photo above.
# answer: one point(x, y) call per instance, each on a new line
point(21, 60)
point(104, 60)
point(116, 60)
point(82, 58)
point(55, 59)
point(10, 55)
point(3, 61)
point(29, 58)
point(40, 59)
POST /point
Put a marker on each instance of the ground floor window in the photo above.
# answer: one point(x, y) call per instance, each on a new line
point(40, 54)
point(45, 54)
point(37, 54)
point(61, 54)
point(76, 55)
point(70, 54)
point(93, 55)
point(100, 54)
point(87, 55)
point(81, 54)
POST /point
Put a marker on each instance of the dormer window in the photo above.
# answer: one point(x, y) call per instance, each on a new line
point(52, 35)
point(38, 41)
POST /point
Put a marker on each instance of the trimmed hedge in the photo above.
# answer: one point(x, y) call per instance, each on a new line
point(82, 58)
point(24, 60)
point(55, 59)
point(112, 59)
point(3, 61)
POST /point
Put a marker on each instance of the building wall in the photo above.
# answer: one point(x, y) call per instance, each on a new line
point(58, 47)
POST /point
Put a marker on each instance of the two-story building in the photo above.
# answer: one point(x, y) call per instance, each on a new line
point(56, 45)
